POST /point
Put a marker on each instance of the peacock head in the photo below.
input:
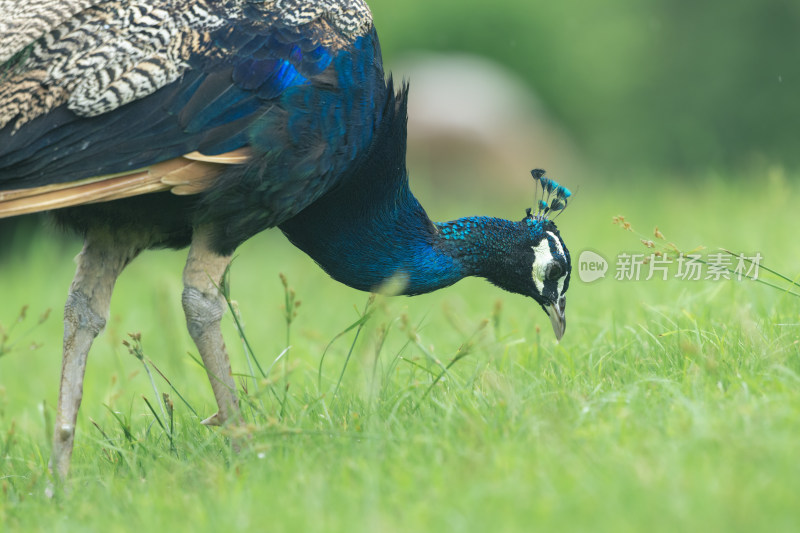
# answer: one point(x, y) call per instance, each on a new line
point(550, 272)
point(541, 268)
point(551, 266)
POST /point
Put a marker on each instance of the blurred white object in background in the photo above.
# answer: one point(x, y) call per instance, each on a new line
point(469, 116)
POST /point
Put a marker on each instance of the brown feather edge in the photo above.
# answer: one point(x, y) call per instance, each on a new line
point(190, 174)
point(235, 157)
point(103, 191)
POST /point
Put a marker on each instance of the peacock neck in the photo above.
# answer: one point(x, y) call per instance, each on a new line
point(396, 245)
point(371, 230)
point(368, 245)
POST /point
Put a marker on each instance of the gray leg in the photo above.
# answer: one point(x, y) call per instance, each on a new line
point(101, 261)
point(204, 307)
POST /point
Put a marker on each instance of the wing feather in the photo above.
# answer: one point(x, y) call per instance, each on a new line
point(299, 85)
point(23, 22)
point(191, 174)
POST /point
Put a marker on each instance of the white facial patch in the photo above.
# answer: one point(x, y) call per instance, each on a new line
point(543, 258)
point(560, 248)
point(557, 242)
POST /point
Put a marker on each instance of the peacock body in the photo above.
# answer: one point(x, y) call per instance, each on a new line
point(145, 124)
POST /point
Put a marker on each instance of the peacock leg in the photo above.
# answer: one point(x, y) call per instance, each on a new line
point(99, 264)
point(204, 307)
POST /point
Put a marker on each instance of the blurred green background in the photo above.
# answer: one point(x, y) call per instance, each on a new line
point(668, 406)
point(661, 86)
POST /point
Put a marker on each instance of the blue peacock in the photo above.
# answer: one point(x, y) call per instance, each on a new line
point(143, 124)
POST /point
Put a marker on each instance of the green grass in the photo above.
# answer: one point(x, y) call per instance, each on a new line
point(667, 406)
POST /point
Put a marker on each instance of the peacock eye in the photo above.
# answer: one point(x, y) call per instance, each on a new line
point(554, 271)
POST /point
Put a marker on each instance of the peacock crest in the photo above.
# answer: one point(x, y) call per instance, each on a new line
point(553, 199)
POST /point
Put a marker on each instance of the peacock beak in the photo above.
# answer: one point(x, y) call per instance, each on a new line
point(557, 319)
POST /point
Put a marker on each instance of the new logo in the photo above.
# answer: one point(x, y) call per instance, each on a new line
point(591, 266)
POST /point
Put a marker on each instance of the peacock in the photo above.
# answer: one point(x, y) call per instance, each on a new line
point(144, 124)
